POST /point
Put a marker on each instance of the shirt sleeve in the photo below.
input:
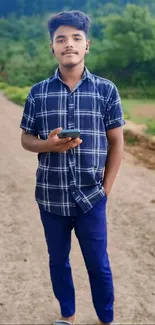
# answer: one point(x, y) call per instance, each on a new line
point(28, 121)
point(114, 116)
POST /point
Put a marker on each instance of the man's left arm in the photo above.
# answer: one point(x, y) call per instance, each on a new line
point(114, 121)
point(115, 151)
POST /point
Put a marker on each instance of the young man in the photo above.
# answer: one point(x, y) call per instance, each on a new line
point(71, 189)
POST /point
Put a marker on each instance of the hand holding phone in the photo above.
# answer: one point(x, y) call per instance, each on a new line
point(61, 140)
point(69, 133)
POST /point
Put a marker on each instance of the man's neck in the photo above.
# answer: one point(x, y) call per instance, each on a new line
point(72, 75)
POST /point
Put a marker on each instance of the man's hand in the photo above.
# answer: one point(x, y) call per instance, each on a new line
point(54, 144)
point(107, 189)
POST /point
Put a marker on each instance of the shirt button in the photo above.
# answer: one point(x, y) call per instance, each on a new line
point(73, 192)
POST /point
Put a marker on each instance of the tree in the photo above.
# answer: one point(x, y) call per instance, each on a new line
point(35, 7)
point(129, 43)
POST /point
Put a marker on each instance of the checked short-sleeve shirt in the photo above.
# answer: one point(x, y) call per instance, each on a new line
point(75, 176)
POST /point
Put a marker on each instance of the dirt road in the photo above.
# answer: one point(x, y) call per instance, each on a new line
point(25, 292)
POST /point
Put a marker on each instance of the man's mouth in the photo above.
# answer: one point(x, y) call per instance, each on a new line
point(69, 52)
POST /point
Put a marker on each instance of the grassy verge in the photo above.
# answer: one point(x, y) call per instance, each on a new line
point(16, 94)
point(129, 107)
point(151, 127)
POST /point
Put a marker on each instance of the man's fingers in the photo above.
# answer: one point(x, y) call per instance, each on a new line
point(55, 132)
point(71, 140)
point(76, 143)
point(73, 144)
point(65, 140)
point(77, 140)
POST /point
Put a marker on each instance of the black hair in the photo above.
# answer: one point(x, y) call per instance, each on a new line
point(72, 18)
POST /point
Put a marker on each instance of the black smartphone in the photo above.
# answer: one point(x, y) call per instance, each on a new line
point(69, 133)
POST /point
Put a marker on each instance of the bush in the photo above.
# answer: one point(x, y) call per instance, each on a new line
point(16, 94)
point(138, 92)
point(151, 127)
point(126, 116)
point(3, 85)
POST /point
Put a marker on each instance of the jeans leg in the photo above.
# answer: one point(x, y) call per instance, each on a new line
point(58, 237)
point(91, 231)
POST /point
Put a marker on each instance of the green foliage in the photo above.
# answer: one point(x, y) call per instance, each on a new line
point(129, 47)
point(130, 139)
point(122, 43)
point(130, 113)
point(150, 127)
point(126, 116)
point(22, 28)
point(35, 7)
point(16, 94)
point(147, 92)
point(3, 85)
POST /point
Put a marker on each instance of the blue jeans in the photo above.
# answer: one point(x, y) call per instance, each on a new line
point(91, 231)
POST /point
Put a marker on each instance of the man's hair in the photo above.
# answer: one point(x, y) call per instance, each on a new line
point(72, 18)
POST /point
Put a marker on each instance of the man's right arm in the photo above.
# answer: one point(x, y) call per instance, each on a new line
point(33, 143)
point(52, 144)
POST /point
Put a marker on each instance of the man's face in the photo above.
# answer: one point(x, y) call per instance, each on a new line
point(69, 45)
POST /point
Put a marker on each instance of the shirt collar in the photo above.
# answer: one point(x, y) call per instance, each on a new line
point(86, 74)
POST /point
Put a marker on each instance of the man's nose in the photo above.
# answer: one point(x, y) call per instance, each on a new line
point(69, 43)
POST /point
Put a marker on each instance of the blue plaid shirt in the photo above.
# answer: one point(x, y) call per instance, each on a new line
point(75, 176)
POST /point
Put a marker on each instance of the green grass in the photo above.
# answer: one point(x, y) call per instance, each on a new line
point(150, 127)
point(129, 106)
point(131, 140)
point(15, 94)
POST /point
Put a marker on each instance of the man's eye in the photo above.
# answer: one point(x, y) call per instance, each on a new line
point(77, 38)
point(60, 41)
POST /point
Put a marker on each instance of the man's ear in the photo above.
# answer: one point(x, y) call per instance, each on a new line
point(52, 49)
point(87, 46)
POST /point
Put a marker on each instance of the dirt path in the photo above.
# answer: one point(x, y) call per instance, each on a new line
point(26, 296)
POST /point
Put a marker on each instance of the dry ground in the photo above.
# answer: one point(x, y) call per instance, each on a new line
point(145, 110)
